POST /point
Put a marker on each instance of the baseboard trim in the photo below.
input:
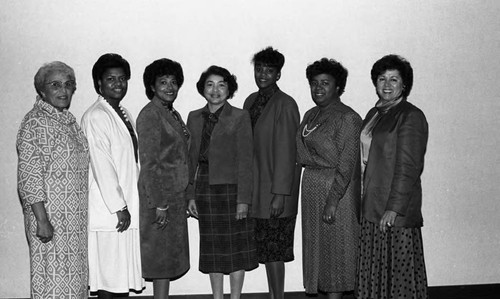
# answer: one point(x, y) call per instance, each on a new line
point(475, 291)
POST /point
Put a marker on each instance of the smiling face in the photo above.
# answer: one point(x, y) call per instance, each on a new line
point(216, 92)
point(389, 85)
point(166, 88)
point(324, 89)
point(58, 90)
point(113, 84)
point(266, 76)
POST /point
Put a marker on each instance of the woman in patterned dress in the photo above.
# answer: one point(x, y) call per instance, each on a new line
point(221, 152)
point(393, 145)
point(163, 179)
point(328, 148)
point(53, 184)
point(114, 244)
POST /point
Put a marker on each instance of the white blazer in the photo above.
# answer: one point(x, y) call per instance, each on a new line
point(113, 179)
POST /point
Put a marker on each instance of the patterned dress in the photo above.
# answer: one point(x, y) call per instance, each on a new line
point(53, 168)
point(330, 156)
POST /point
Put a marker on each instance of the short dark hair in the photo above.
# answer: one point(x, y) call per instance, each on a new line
point(270, 57)
point(158, 68)
point(394, 62)
point(331, 67)
point(108, 61)
point(229, 78)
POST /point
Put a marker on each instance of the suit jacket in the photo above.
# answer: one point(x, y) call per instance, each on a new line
point(164, 156)
point(113, 179)
point(275, 170)
point(230, 152)
point(395, 163)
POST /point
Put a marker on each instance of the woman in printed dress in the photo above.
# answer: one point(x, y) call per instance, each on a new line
point(328, 148)
point(53, 184)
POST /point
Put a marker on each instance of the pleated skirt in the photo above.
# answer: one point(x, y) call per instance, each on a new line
point(391, 264)
point(226, 244)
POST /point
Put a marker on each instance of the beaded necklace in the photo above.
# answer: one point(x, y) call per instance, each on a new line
point(306, 131)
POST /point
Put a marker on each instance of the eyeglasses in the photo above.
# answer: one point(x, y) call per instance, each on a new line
point(57, 85)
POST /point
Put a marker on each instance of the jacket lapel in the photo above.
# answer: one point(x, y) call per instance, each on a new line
point(168, 117)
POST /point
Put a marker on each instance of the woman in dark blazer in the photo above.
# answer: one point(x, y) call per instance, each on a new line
point(163, 179)
point(393, 144)
point(275, 121)
point(221, 153)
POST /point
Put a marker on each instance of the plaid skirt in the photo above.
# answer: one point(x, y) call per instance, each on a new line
point(391, 264)
point(226, 244)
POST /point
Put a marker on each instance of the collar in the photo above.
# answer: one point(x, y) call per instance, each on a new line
point(270, 92)
point(63, 116)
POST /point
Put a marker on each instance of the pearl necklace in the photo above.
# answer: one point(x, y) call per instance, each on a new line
point(306, 131)
point(123, 113)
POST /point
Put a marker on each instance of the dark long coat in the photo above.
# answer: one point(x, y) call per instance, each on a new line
point(275, 170)
point(163, 181)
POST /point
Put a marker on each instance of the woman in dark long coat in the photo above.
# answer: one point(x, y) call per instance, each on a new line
point(164, 178)
point(393, 144)
point(221, 152)
point(328, 148)
point(275, 119)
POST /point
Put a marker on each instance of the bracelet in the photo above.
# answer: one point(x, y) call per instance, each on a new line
point(123, 209)
point(162, 209)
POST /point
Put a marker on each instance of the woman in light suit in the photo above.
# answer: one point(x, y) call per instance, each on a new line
point(221, 153)
point(114, 253)
point(393, 144)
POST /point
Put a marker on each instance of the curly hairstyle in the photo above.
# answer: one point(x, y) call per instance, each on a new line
point(49, 68)
point(331, 67)
point(229, 78)
point(158, 68)
point(107, 61)
point(270, 57)
point(394, 62)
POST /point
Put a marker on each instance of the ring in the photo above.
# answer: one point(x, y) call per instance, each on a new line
point(121, 222)
point(389, 224)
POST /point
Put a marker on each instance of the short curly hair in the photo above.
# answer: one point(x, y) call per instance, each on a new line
point(158, 68)
point(270, 57)
point(229, 78)
point(394, 62)
point(108, 61)
point(331, 67)
point(48, 68)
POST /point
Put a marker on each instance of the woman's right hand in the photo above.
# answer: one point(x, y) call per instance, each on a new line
point(123, 220)
point(193, 211)
point(44, 231)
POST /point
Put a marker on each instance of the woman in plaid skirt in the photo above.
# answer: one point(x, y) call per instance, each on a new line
point(221, 152)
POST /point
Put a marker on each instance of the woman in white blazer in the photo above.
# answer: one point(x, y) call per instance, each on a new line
point(114, 252)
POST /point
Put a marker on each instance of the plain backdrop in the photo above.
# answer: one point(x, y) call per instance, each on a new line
point(452, 46)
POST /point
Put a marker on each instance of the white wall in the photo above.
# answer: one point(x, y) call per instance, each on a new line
point(452, 45)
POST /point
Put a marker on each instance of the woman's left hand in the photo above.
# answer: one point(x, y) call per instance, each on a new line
point(329, 213)
point(387, 220)
point(162, 218)
point(241, 211)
